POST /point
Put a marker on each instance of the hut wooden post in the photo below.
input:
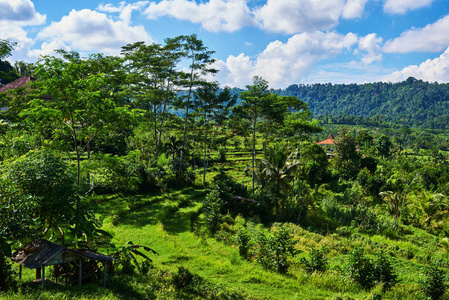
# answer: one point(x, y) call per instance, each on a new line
point(43, 276)
point(104, 275)
point(80, 273)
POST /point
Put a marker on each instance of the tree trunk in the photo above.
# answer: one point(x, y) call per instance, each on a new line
point(205, 151)
point(186, 117)
point(156, 154)
point(254, 151)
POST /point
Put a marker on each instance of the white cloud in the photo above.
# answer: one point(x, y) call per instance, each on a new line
point(371, 45)
point(48, 48)
point(431, 38)
point(88, 30)
point(293, 16)
point(124, 9)
point(431, 70)
point(403, 6)
point(214, 15)
point(20, 12)
point(354, 9)
point(280, 16)
point(15, 15)
point(284, 63)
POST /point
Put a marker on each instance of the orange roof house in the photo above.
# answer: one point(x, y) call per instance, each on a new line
point(329, 141)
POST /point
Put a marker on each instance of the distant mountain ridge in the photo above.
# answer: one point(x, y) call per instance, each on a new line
point(412, 102)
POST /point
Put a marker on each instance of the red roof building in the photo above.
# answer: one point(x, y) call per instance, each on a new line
point(329, 141)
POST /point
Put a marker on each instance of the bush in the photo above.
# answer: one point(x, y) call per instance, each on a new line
point(384, 271)
point(433, 284)
point(361, 269)
point(211, 209)
point(273, 250)
point(243, 242)
point(222, 154)
point(317, 261)
point(368, 273)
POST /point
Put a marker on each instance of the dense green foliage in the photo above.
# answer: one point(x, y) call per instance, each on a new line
point(104, 152)
point(412, 103)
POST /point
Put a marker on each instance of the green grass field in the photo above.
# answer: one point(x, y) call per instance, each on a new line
point(162, 222)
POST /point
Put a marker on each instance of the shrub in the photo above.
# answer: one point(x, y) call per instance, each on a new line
point(222, 154)
point(317, 261)
point(243, 242)
point(368, 273)
point(384, 271)
point(273, 250)
point(361, 269)
point(211, 209)
point(433, 284)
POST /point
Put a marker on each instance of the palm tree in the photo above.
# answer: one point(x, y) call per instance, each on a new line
point(276, 169)
point(397, 197)
point(434, 207)
point(173, 146)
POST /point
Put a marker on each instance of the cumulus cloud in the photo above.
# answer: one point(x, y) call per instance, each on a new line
point(284, 63)
point(125, 10)
point(370, 46)
point(431, 70)
point(88, 30)
point(403, 6)
point(20, 12)
point(48, 48)
point(293, 16)
point(214, 15)
point(354, 9)
point(15, 15)
point(431, 38)
point(280, 16)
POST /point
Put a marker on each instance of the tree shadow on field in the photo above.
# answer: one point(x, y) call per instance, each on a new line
point(172, 210)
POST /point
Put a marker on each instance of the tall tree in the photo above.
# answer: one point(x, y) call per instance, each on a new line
point(82, 102)
point(200, 61)
point(211, 105)
point(152, 80)
point(277, 167)
point(255, 103)
point(48, 177)
point(347, 159)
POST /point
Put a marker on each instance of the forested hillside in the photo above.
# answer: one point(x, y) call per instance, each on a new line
point(412, 102)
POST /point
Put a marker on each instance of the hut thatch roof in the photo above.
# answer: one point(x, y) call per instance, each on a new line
point(36, 253)
point(42, 252)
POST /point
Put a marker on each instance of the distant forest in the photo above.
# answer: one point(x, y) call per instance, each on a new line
point(413, 103)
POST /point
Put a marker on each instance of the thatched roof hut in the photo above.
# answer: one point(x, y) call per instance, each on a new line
point(42, 253)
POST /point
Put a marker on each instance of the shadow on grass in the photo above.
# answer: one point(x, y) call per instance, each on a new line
point(173, 210)
point(116, 285)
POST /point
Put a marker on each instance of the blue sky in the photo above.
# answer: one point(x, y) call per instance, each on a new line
point(284, 41)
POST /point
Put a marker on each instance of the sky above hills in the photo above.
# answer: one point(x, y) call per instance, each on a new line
point(284, 41)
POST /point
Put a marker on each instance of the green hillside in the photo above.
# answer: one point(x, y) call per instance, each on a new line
point(412, 102)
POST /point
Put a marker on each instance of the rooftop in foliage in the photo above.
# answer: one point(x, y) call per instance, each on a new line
point(329, 141)
point(20, 82)
point(44, 253)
